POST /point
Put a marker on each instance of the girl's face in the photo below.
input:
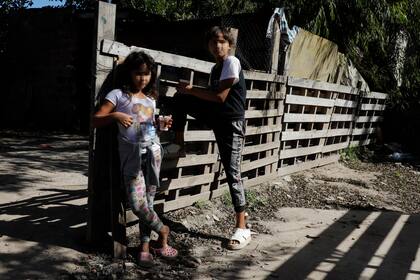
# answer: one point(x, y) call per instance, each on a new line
point(141, 77)
point(219, 47)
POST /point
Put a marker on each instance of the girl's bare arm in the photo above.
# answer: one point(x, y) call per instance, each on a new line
point(106, 115)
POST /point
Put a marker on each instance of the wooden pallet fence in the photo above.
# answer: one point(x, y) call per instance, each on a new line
point(341, 123)
point(187, 179)
point(200, 176)
point(304, 127)
point(369, 115)
point(264, 109)
point(308, 110)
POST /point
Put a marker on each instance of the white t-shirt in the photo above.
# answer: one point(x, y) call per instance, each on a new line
point(142, 110)
point(231, 68)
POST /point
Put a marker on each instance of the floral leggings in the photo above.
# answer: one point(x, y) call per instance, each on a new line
point(141, 178)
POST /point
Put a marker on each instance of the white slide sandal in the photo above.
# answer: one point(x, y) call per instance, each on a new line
point(241, 235)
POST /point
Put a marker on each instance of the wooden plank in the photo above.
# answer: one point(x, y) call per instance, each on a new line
point(252, 114)
point(263, 94)
point(262, 76)
point(250, 165)
point(234, 34)
point(275, 47)
point(345, 103)
point(318, 85)
point(365, 119)
point(101, 66)
point(307, 165)
point(262, 129)
point(170, 92)
point(338, 132)
point(199, 135)
point(189, 160)
point(261, 148)
point(190, 181)
point(259, 163)
point(306, 100)
point(189, 200)
point(360, 142)
point(335, 147)
point(260, 179)
point(298, 135)
point(118, 49)
point(376, 95)
point(297, 152)
point(361, 131)
point(208, 135)
point(372, 107)
point(292, 118)
point(341, 118)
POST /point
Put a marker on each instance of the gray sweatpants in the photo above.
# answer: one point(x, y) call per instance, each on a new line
point(230, 140)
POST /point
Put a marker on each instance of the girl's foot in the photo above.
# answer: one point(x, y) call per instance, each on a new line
point(166, 252)
point(163, 236)
point(145, 259)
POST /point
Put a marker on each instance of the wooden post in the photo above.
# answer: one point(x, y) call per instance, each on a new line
point(234, 33)
point(275, 46)
point(98, 204)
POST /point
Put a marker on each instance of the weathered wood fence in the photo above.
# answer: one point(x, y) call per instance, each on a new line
point(291, 125)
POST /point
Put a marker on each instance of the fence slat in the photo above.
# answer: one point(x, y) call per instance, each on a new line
point(307, 165)
point(119, 49)
point(305, 100)
point(290, 118)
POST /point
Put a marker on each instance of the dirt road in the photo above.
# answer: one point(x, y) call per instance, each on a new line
point(342, 221)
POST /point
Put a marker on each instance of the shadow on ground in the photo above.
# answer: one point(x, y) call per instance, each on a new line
point(28, 161)
point(52, 220)
point(385, 250)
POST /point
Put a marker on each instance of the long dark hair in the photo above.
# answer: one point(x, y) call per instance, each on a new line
point(132, 63)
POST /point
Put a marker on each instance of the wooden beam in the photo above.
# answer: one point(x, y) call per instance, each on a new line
point(306, 83)
point(118, 49)
point(275, 47)
point(101, 67)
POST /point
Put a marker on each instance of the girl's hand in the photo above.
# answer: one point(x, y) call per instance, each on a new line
point(124, 119)
point(164, 122)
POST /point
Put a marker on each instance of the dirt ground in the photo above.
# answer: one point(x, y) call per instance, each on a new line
point(356, 219)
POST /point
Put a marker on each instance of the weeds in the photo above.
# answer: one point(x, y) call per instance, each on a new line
point(253, 199)
point(350, 154)
point(226, 199)
point(202, 204)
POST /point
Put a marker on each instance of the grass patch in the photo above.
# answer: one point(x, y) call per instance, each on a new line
point(254, 200)
point(226, 200)
point(350, 154)
point(202, 204)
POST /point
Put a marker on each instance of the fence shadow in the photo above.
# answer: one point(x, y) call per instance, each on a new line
point(54, 219)
point(387, 249)
point(23, 156)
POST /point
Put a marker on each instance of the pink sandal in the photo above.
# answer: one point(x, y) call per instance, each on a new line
point(145, 259)
point(168, 252)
